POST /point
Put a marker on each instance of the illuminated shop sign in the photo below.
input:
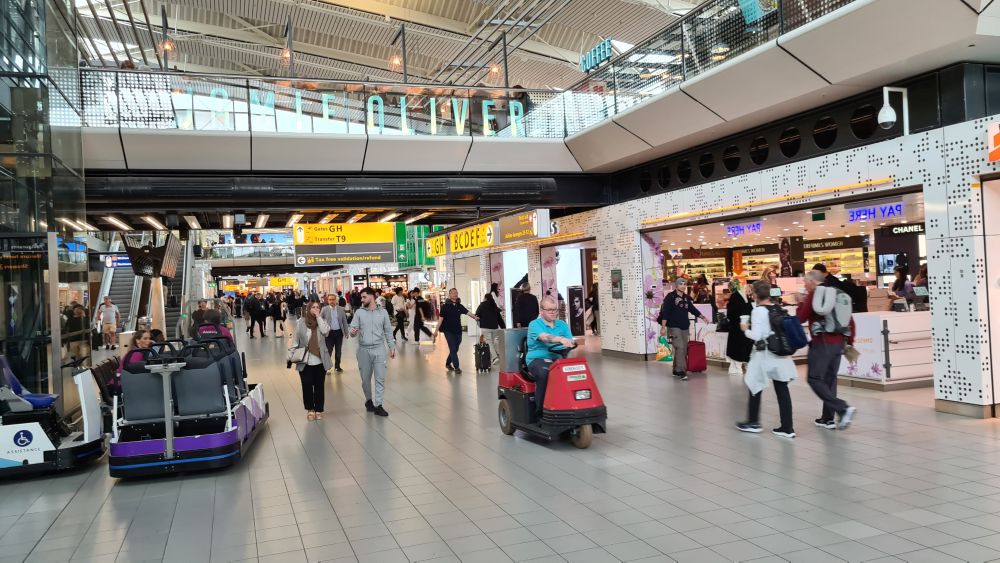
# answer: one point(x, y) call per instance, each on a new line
point(740, 229)
point(875, 212)
point(594, 57)
point(525, 226)
point(916, 228)
point(335, 106)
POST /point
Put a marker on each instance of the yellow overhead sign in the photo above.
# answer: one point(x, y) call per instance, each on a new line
point(436, 246)
point(284, 282)
point(231, 287)
point(345, 233)
point(472, 238)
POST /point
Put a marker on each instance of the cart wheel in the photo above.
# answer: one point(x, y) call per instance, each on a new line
point(503, 413)
point(582, 435)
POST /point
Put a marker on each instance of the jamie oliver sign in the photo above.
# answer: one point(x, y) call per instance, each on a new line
point(525, 226)
point(473, 238)
point(344, 243)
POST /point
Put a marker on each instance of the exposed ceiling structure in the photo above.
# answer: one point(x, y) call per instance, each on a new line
point(456, 41)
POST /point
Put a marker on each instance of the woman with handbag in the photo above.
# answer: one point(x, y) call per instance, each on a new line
point(738, 347)
point(311, 359)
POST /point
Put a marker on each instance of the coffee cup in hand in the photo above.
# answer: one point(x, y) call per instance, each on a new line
point(745, 319)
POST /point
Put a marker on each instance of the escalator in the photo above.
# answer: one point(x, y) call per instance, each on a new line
point(122, 288)
point(173, 299)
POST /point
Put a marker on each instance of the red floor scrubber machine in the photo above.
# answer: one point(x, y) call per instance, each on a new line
point(573, 405)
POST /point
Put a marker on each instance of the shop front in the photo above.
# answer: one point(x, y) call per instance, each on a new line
point(876, 249)
point(569, 273)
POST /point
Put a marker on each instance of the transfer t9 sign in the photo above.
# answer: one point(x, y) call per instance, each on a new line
point(473, 238)
point(344, 243)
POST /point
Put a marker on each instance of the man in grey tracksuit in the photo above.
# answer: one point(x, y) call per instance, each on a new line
point(373, 329)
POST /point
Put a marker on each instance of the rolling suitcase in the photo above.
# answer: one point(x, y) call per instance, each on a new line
point(696, 361)
point(483, 359)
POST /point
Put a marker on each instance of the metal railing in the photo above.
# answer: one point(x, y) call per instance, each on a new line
point(708, 36)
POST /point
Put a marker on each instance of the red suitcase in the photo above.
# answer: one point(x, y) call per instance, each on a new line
point(696, 361)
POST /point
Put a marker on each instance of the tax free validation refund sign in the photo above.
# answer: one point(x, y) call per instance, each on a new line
point(344, 243)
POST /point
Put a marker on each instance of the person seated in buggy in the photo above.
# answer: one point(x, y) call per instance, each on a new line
point(213, 326)
point(544, 332)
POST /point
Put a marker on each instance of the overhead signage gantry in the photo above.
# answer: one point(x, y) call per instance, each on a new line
point(344, 243)
point(518, 227)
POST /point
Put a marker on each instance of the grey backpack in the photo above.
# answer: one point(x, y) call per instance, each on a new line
point(836, 306)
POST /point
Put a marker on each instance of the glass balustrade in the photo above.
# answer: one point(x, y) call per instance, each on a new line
point(237, 251)
point(712, 34)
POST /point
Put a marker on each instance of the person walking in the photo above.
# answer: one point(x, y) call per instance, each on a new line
point(450, 324)
point(399, 307)
point(765, 365)
point(491, 323)
point(817, 308)
point(277, 313)
point(676, 324)
point(421, 307)
point(525, 308)
point(309, 332)
point(372, 327)
point(738, 347)
point(336, 317)
point(109, 318)
point(257, 309)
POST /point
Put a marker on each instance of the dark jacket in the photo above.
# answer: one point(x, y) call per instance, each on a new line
point(675, 310)
point(526, 309)
point(738, 346)
point(451, 316)
point(489, 315)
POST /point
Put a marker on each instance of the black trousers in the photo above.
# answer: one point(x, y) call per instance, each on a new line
point(784, 405)
point(313, 396)
point(418, 325)
point(400, 325)
point(335, 345)
point(274, 324)
point(539, 368)
point(824, 363)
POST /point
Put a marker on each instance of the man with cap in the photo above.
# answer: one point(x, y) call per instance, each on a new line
point(832, 280)
point(676, 324)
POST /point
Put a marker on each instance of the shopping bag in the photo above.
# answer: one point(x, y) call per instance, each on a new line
point(664, 353)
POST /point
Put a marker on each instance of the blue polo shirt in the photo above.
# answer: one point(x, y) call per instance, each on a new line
point(538, 349)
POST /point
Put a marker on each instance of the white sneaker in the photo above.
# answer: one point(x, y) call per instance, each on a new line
point(846, 418)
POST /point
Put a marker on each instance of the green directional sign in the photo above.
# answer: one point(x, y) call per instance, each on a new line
point(411, 251)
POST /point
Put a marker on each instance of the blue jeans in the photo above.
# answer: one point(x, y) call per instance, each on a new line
point(454, 340)
point(539, 369)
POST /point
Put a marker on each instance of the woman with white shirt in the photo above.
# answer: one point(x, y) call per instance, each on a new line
point(765, 365)
point(310, 333)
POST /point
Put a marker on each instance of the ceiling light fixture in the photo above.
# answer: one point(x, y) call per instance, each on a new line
point(153, 222)
point(88, 227)
point(227, 221)
point(70, 223)
point(423, 215)
point(295, 218)
point(261, 221)
point(328, 217)
point(357, 217)
point(389, 216)
point(118, 223)
point(192, 222)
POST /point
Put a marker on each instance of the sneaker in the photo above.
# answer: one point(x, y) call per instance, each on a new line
point(749, 427)
point(846, 418)
point(458, 371)
point(379, 411)
point(449, 368)
point(684, 377)
point(783, 433)
point(828, 424)
point(494, 362)
point(338, 370)
point(369, 406)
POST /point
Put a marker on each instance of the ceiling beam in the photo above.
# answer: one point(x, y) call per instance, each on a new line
point(668, 6)
point(445, 24)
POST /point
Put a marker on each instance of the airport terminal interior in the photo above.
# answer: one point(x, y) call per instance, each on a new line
point(499, 281)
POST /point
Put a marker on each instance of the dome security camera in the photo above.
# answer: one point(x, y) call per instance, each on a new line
point(887, 117)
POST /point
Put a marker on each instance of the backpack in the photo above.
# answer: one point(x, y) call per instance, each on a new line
point(836, 312)
point(787, 333)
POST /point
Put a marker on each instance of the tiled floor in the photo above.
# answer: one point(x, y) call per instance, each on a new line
point(437, 480)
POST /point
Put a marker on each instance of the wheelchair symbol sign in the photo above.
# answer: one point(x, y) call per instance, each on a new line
point(23, 439)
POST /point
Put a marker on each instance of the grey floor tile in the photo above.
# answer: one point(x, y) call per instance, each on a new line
point(741, 550)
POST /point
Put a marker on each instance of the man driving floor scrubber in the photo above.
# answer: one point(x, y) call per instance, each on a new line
point(543, 333)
